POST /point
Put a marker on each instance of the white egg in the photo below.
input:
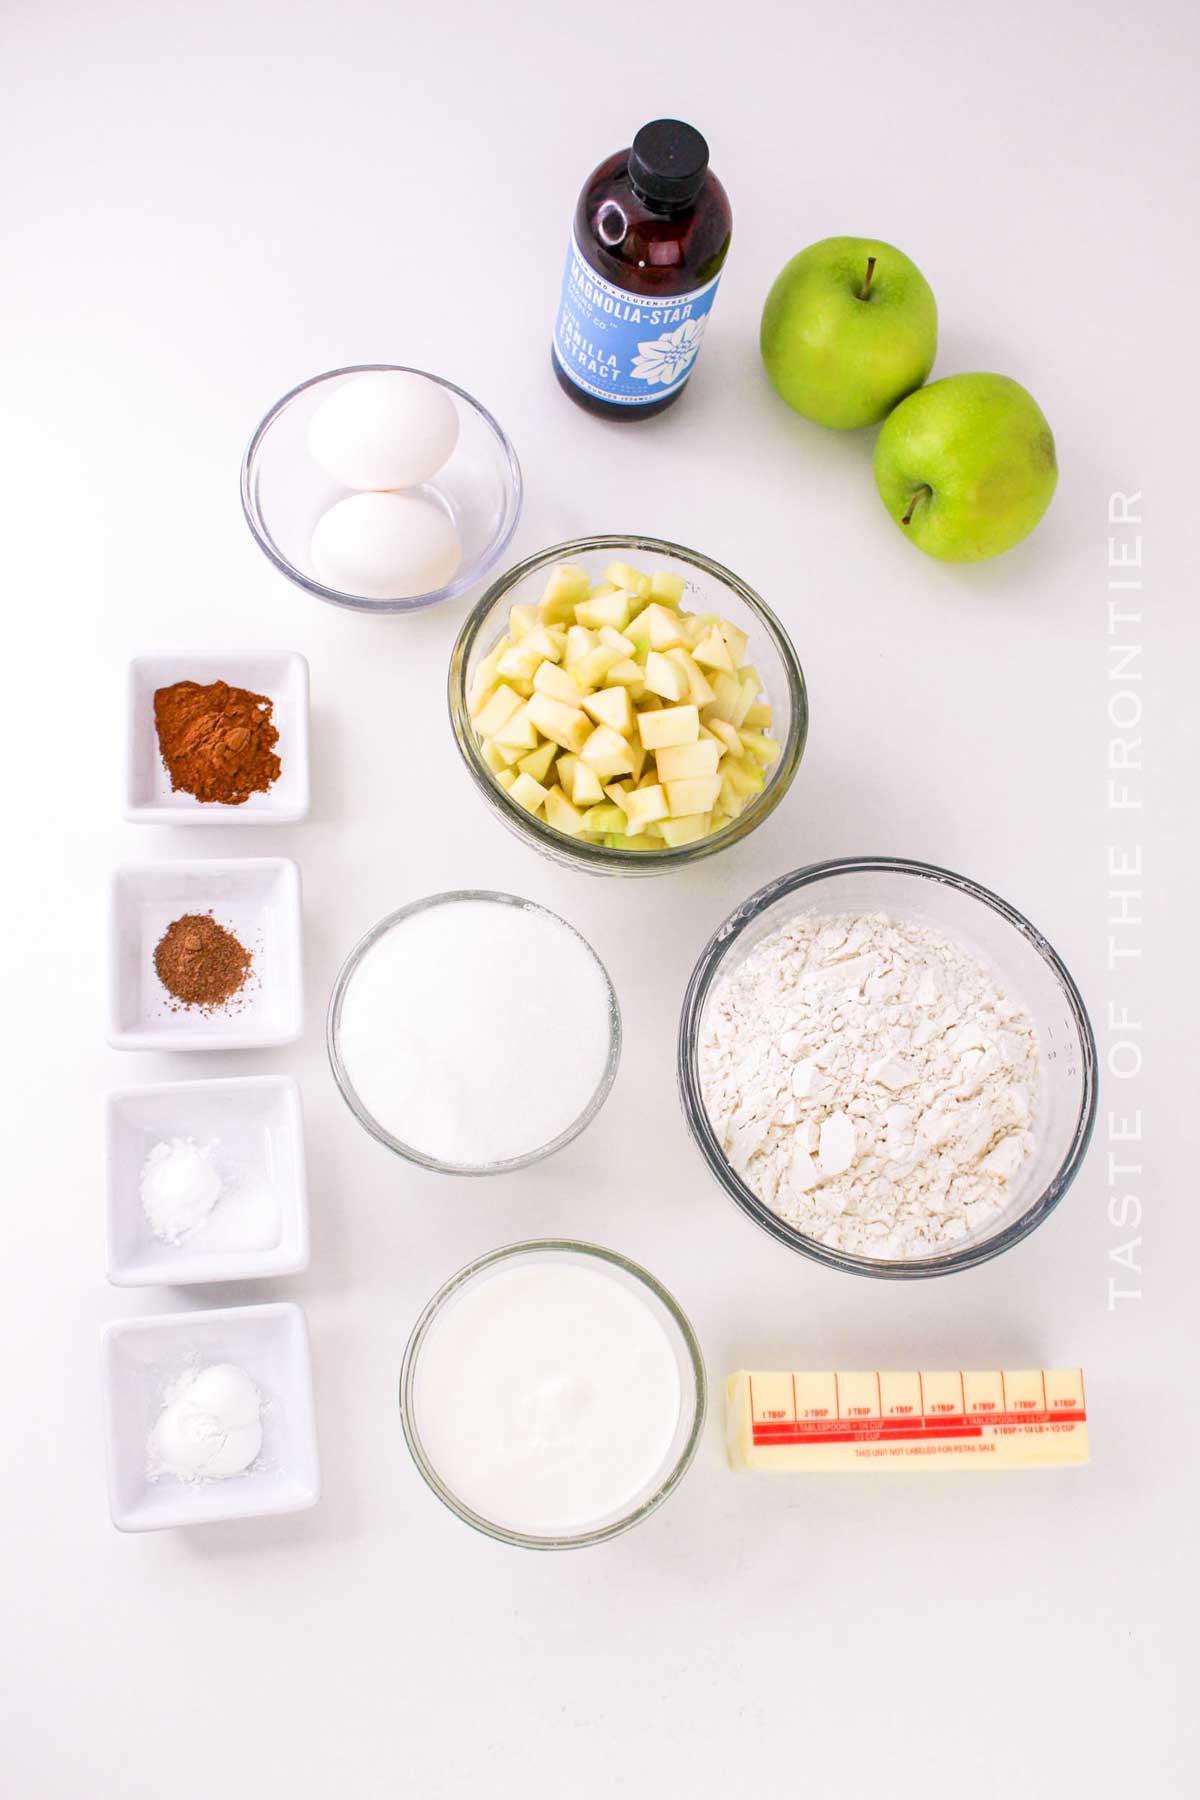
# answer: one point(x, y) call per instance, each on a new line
point(385, 546)
point(386, 429)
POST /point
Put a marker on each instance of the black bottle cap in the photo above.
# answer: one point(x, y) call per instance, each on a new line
point(668, 162)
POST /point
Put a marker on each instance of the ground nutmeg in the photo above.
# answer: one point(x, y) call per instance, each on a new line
point(200, 962)
point(217, 741)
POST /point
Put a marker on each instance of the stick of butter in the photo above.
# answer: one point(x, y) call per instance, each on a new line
point(842, 1420)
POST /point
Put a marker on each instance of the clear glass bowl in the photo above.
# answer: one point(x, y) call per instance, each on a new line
point(285, 492)
point(367, 1119)
point(693, 1387)
point(1028, 968)
point(708, 588)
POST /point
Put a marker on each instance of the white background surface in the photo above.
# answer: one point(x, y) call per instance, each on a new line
point(203, 205)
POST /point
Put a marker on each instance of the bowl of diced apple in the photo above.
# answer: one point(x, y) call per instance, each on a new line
point(627, 705)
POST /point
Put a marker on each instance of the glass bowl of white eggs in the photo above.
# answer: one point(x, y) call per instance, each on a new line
point(381, 488)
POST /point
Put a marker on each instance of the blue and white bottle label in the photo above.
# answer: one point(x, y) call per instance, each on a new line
point(622, 347)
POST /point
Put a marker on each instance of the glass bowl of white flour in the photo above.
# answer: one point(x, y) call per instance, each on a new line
point(887, 1067)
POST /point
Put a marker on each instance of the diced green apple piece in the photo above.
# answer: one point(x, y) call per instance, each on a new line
point(666, 587)
point(735, 642)
point(545, 641)
point(604, 819)
point(746, 699)
point(565, 725)
point(686, 830)
point(483, 684)
point(666, 678)
point(727, 733)
point(561, 814)
point(517, 733)
point(559, 684)
point(712, 652)
point(657, 626)
point(528, 793)
point(627, 674)
point(644, 805)
point(745, 777)
point(696, 796)
point(732, 802)
point(699, 690)
point(687, 762)
point(519, 661)
point(580, 641)
point(632, 580)
point(728, 700)
point(615, 640)
point(607, 752)
point(568, 581)
point(758, 718)
point(539, 761)
point(671, 725)
point(609, 609)
point(762, 748)
point(506, 778)
point(498, 711)
point(586, 788)
point(592, 668)
point(612, 706)
point(521, 620)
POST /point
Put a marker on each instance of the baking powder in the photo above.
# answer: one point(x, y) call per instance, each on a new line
point(179, 1187)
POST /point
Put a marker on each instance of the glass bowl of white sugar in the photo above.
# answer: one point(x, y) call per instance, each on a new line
point(553, 1394)
point(887, 1067)
point(474, 1032)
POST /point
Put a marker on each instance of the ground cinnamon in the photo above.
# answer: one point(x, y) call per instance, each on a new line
point(200, 962)
point(217, 741)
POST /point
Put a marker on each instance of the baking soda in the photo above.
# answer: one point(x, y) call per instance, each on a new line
point(210, 1427)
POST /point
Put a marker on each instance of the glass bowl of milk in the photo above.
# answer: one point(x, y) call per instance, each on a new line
point(552, 1394)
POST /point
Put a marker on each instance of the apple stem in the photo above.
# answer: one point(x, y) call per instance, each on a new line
point(865, 288)
point(921, 493)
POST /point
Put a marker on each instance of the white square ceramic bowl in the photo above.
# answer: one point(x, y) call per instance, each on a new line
point(283, 677)
point(255, 897)
point(143, 1358)
point(254, 1130)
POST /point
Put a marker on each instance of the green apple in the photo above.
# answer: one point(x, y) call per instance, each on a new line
point(966, 467)
point(849, 328)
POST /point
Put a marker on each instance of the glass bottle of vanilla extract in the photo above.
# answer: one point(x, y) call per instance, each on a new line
point(652, 231)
